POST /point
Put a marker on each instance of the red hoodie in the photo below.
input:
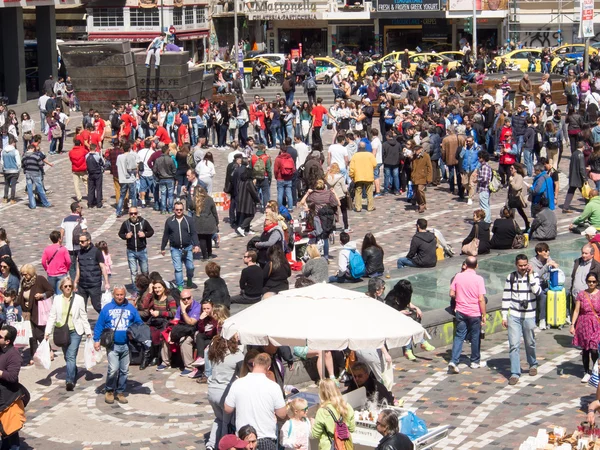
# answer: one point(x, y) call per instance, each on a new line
point(278, 164)
point(77, 156)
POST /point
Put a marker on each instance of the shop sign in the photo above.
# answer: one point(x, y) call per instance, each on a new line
point(480, 5)
point(408, 5)
point(269, 10)
point(586, 19)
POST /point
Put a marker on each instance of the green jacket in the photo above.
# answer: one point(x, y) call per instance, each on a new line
point(324, 426)
point(591, 213)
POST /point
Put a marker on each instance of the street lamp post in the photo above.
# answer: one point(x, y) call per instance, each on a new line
point(474, 30)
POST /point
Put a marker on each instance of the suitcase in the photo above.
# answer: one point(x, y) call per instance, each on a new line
point(556, 308)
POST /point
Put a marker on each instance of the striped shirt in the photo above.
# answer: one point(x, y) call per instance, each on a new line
point(520, 295)
point(33, 163)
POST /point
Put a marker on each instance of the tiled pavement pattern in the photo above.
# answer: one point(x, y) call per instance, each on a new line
point(166, 411)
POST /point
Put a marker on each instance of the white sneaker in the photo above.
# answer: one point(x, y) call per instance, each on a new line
point(470, 201)
point(586, 378)
point(568, 320)
point(542, 325)
point(452, 368)
point(478, 365)
point(198, 362)
point(240, 231)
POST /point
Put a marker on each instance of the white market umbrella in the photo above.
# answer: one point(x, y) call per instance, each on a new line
point(323, 317)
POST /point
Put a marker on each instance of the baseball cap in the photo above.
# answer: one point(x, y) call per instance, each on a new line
point(589, 231)
point(231, 441)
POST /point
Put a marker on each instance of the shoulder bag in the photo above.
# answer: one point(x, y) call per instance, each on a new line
point(107, 338)
point(472, 248)
point(519, 239)
point(62, 335)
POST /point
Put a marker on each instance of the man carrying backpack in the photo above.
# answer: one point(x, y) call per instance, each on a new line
point(285, 168)
point(519, 302)
point(349, 262)
point(262, 172)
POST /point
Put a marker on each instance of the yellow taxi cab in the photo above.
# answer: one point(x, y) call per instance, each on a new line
point(434, 60)
point(453, 55)
point(573, 50)
point(520, 58)
point(327, 66)
point(392, 58)
point(270, 67)
point(211, 66)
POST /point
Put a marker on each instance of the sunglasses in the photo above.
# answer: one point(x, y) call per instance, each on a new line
point(67, 285)
point(133, 214)
point(3, 266)
point(181, 209)
point(185, 298)
point(591, 282)
point(83, 241)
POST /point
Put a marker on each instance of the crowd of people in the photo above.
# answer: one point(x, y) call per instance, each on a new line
point(407, 129)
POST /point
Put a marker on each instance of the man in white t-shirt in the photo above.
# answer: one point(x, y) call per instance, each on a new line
point(302, 150)
point(66, 233)
point(377, 150)
point(337, 153)
point(147, 184)
point(257, 401)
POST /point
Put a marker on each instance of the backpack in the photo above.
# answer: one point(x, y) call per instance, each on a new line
point(422, 91)
point(77, 232)
point(115, 122)
point(191, 162)
point(287, 86)
point(287, 168)
point(495, 183)
point(327, 217)
point(311, 84)
point(553, 140)
point(356, 265)
point(258, 171)
point(341, 439)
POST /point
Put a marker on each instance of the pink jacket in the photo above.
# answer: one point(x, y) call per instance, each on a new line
point(56, 260)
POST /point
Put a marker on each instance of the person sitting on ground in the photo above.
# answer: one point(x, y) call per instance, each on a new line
point(372, 255)
point(344, 274)
point(376, 288)
point(315, 268)
point(251, 281)
point(272, 235)
point(505, 229)
point(362, 376)
point(545, 226)
point(215, 288)
point(481, 231)
point(589, 216)
point(422, 248)
point(276, 272)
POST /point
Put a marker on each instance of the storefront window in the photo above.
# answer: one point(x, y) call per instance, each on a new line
point(189, 15)
point(108, 17)
point(144, 17)
point(355, 38)
point(177, 16)
point(313, 40)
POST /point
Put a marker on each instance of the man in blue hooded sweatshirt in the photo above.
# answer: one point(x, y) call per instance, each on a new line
point(543, 186)
point(118, 315)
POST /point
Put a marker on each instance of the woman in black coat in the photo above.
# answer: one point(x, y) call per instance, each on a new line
point(247, 198)
point(215, 288)
point(481, 231)
point(276, 272)
point(505, 229)
point(372, 255)
point(206, 221)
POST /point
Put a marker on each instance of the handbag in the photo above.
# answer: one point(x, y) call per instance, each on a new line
point(28, 135)
point(519, 240)
point(516, 202)
point(44, 307)
point(56, 132)
point(107, 338)
point(62, 335)
point(472, 248)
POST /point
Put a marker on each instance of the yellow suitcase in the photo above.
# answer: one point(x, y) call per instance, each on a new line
point(556, 308)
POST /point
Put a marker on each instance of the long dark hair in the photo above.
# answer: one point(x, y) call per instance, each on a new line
point(400, 296)
point(276, 256)
point(14, 270)
point(369, 241)
point(219, 347)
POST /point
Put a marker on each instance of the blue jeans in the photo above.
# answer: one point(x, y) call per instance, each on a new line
point(70, 353)
point(289, 98)
point(177, 256)
point(289, 130)
point(55, 281)
point(484, 203)
point(264, 190)
point(452, 171)
point(516, 328)
point(133, 259)
point(277, 133)
point(405, 262)
point(118, 368)
point(166, 188)
point(127, 187)
point(43, 123)
point(53, 144)
point(284, 187)
point(207, 364)
point(528, 157)
point(35, 180)
point(391, 178)
point(471, 326)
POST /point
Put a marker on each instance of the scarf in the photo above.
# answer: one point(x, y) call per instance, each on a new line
point(26, 285)
point(269, 227)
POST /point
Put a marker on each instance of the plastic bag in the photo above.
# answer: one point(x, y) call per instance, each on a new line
point(106, 298)
point(42, 355)
point(91, 357)
point(594, 378)
point(23, 332)
point(388, 376)
point(412, 426)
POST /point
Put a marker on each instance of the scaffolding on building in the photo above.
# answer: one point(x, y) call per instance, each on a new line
point(561, 13)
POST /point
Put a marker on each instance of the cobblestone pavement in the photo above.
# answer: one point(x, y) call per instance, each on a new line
point(167, 411)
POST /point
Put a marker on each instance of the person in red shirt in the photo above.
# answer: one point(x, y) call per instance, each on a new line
point(99, 125)
point(128, 123)
point(318, 112)
point(183, 135)
point(161, 133)
point(78, 167)
point(86, 136)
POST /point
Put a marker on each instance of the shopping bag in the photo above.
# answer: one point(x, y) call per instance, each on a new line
point(387, 376)
point(594, 378)
point(412, 426)
point(106, 299)
point(586, 190)
point(42, 355)
point(23, 332)
point(44, 307)
point(91, 357)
